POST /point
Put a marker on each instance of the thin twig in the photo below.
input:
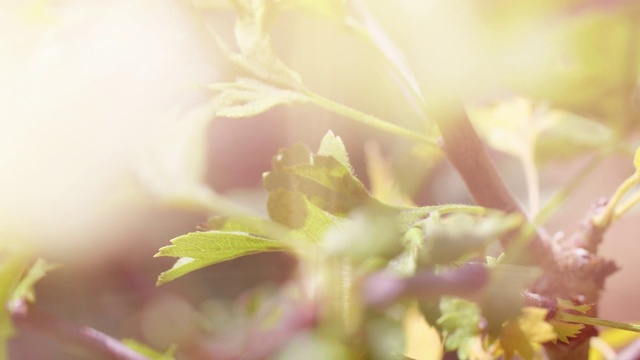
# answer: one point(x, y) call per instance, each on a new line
point(27, 316)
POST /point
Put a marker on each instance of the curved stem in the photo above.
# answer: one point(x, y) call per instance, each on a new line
point(100, 344)
point(367, 119)
point(604, 219)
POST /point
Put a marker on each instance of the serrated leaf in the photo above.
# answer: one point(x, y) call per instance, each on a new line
point(150, 353)
point(323, 180)
point(332, 145)
point(200, 249)
point(565, 330)
point(218, 245)
point(250, 97)
point(38, 270)
point(292, 209)
point(524, 335)
point(254, 41)
point(459, 324)
point(564, 305)
point(183, 266)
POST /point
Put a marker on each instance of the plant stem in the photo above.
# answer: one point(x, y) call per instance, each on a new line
point(367, 119)
point(466, 152)
point(581, 319)
point(27, 316)
point(603, 220)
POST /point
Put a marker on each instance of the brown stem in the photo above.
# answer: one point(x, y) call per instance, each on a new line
point(468, 155)
point(26, 316)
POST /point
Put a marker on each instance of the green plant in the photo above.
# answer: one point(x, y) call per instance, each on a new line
point(370, 262)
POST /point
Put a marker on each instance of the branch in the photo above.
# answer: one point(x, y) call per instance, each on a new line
point(26, 316)
point(466, 152)
point(383, 288)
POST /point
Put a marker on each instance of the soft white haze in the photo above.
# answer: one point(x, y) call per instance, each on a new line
point(84, 85)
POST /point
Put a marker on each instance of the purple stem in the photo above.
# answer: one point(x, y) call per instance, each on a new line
point(27, 316)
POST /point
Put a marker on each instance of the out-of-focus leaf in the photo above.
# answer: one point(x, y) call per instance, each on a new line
point(459, 324)
point(563, 134)
point(12, 267)
point(636, 160)
point(201, 249)
point(520, 128)
point(410, 216)
point(254, 41)
point(149, 352)
point(507, 126)
point(423, 341)
point(395, 57)
point(173, 165)
point(461, 235)
point(24, 289)
point(249, 97)
point(382, 180)
point(524, 335)
point(331, 8)
point(370, 233)
point(502, 299)
point(615, 339)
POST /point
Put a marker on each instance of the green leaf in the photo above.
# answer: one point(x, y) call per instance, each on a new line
point(564, 134)
point(333, 146)
point(324, 180)
point(459, 324)
point(520, 128)
point(524, 335)
point(292, 209)
point(249, 97)
point(254, 40)
point(207, 248)
point(12, 267)
point(25, 289)
point(183, 266)
point(149, 352)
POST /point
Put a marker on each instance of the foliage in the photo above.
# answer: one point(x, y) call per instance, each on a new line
point(377, 274)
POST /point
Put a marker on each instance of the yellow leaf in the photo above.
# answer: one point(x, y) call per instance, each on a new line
point(524, 335)
point(422, 340)
point(564, 305)
point(565, 330)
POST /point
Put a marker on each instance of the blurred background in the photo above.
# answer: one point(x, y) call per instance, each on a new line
point(106, 151)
